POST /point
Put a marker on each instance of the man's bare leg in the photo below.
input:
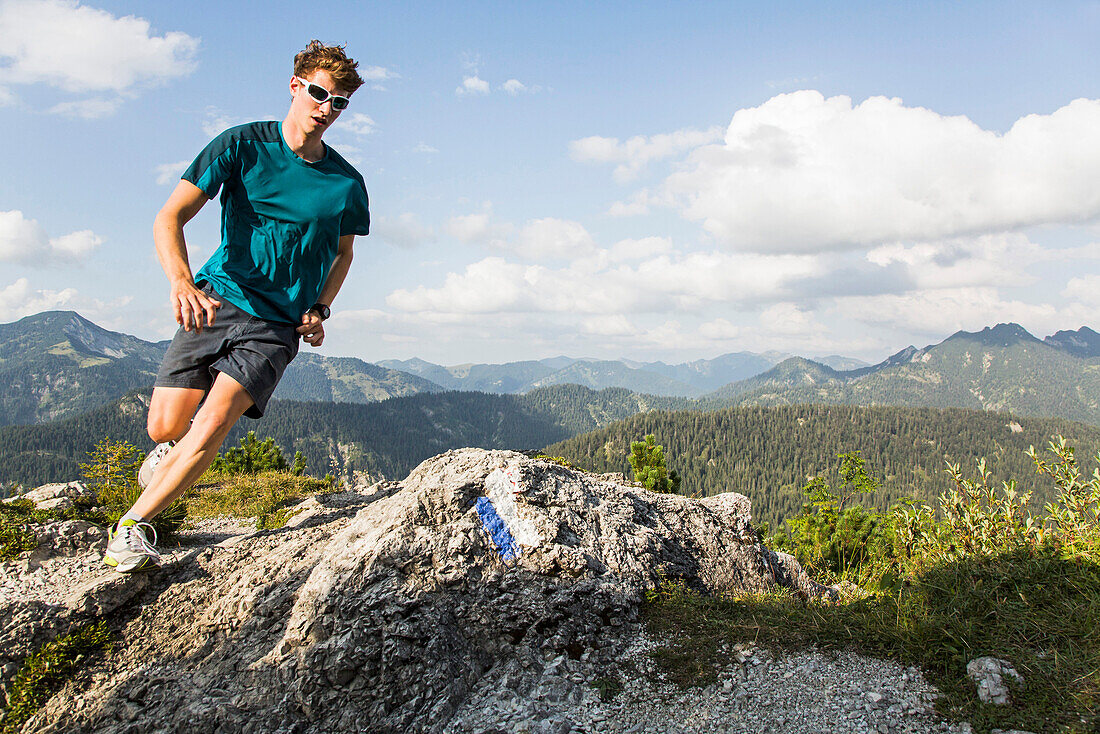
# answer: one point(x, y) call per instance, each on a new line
point(197, 448)
point(170, 412)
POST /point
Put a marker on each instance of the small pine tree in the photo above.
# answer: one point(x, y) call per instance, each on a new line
point(112, 466)
point(255, 457)
point(647, 459)
point(828, 537)
point(111, 471)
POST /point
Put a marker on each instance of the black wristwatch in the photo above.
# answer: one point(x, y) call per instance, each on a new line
point(322, 310)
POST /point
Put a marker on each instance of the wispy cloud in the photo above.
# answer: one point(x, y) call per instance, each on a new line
point(358, 124)
point(634, 154)
point(169, 173)
point(403, 231)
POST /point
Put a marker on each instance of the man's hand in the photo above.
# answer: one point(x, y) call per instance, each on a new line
point(192, 307)
point(312, 330)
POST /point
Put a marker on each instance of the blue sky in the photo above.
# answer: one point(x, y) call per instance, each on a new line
point(645, 180)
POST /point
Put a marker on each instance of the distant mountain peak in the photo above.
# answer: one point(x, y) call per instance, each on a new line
point(1002, 335)
point(1082, 343)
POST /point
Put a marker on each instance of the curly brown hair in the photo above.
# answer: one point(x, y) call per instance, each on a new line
point(318, 56)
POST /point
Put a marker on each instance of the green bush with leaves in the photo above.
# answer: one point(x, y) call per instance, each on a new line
point(647, 459)
point(1075, 516)
point(17, 521)
point(255, 457)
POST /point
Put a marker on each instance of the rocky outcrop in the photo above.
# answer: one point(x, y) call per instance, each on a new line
point(59, 496)
point(384, 609)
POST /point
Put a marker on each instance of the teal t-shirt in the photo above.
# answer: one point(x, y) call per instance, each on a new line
point(282, 219)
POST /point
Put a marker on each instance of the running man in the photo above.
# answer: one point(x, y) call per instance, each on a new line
point(291, 208)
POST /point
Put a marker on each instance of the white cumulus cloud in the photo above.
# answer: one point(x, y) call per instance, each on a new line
point(553, 238)
point(19, 300)
point(995, 259)
point(1085, 289)
point(610, 325)
point(805, 172)
point(788, 319)
point(85, 50)
point(719, 330)
point(689, 283)
point(472, 85)
point(25, 241)
point(479, 228)
point(940, 312)
point(640, 249)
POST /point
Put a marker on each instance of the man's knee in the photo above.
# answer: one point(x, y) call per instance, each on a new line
point(162, 428)
point(212, 426)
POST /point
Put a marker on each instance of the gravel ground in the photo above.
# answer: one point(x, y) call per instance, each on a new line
point(757, 691)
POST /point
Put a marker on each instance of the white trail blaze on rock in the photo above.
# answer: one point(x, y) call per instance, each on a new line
point(505, 489)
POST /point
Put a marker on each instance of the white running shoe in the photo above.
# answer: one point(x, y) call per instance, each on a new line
point(128, 549)
point(152, 461)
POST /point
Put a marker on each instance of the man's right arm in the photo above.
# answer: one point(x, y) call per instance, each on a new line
point(189, 304)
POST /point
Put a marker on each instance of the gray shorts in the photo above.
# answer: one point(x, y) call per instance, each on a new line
point(252, 351)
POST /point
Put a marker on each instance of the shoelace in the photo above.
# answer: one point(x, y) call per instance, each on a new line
point(136, 541)
point(161, 451)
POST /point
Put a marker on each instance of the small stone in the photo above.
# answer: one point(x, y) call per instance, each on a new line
point(992, 676)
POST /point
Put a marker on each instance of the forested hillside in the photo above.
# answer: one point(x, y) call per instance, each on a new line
point(389, 437)
point(56, 364)
point(768, 454)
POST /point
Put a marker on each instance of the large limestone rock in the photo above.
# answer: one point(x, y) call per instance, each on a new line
point(383, 610)
point(55, 496)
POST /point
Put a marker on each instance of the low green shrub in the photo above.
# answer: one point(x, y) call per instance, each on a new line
point(17, 521)
point(647, 460)
point(45, 671)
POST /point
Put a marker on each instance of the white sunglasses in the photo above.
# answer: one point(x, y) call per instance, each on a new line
point(321, 95)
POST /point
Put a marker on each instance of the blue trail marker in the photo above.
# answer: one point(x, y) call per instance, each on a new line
point(497, 529)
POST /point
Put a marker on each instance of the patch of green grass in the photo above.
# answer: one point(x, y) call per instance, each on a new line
point(45, 671)
point(1034, 607)
point(18, 518)
point(266, 497)
point(559, 460)
point(16, 528)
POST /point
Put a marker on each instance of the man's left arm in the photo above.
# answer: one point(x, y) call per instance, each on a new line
point(312, 328)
